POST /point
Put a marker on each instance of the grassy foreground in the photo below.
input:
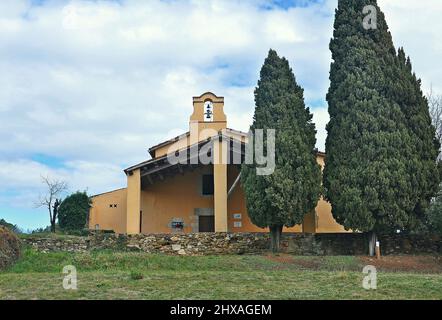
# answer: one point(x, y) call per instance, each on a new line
point(110, 275)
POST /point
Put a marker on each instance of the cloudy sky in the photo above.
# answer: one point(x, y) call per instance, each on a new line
point(86, 87)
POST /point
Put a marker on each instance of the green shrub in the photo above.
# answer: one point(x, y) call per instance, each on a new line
point(434, 215)
point(9, 247)
point(79, 233)
point(74, 211)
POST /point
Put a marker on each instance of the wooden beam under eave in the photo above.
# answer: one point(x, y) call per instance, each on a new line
point(235, 183)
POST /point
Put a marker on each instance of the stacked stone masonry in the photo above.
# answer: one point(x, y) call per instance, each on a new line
point(239, 243)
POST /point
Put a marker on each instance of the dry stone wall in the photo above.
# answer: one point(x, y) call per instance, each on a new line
point(238, 243)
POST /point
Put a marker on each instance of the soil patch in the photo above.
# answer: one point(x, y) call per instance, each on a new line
point(419, 264)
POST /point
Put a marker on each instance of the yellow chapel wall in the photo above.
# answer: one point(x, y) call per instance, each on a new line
point(237, 205)
point(178, 196)
point(175, 197)
point(325, 223)
point(107, 217)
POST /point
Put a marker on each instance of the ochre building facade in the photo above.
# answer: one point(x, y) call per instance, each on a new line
point(189, 195)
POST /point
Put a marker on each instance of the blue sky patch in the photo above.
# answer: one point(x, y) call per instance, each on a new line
point(287, 4)
point(48, 160)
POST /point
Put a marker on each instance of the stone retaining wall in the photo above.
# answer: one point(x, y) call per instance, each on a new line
point(239, 243)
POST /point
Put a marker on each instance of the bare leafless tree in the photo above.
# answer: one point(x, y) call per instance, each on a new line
point(51, 200)
point(435, 104)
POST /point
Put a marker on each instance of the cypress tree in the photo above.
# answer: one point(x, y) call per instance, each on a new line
point(406, 91)
point(378, 156)
point(284, 197)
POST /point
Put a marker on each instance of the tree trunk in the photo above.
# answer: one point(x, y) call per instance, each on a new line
point(53, 224)
point(372, 243)
point(55, 214)
point(275, 235)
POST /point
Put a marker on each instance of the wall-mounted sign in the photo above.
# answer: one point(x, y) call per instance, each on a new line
point(237, 224)
point(237, 216)
point(177, 225)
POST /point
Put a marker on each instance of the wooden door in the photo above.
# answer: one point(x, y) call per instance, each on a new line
point(206, 224)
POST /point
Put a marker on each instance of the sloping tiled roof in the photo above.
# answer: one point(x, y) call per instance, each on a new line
point(100, 194)
point(158, 162)
point(155, 161)
point(167, 142)
point(182, 136)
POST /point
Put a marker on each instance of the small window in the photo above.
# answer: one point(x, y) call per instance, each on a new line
point(115, 205)
point(208, 184)
point(111, 206)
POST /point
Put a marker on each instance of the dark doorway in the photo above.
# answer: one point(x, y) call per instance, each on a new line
point(206, 224)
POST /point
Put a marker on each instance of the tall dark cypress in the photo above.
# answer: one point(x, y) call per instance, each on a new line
point(284, 197)
point(380, 144)
point(406, 91)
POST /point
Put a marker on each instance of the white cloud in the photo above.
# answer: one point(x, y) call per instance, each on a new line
point(24, 178)
point(320, 118)
point(416, 26)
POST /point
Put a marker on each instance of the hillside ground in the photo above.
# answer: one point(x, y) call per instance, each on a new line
point(125, 275)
